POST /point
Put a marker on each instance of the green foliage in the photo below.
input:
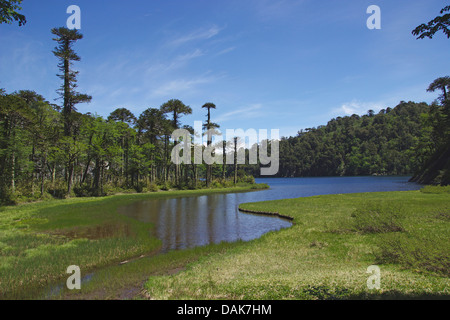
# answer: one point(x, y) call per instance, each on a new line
point(435, 189)
point(9, 12)
point(378, 217)
point(415, 251)
point(433, 149)
point(307, 261)
point(440, 23)
point(381, 144)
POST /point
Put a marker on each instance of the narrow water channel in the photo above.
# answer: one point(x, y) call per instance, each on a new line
point(200, 220)
point(187, 222)
point(196, 221)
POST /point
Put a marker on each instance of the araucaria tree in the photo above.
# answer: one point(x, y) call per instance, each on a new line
point(66, 38)
point(209, 126)
point(440, 23)
point(177, 109)
point(436, 169)
point(443, 84)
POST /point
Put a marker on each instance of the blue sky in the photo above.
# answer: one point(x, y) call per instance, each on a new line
point(266, 64)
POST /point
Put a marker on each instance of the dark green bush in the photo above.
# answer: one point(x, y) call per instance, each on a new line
point(417, 252)
point(378, 217)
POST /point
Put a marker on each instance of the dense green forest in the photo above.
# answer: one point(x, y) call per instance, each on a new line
point(383, 143)
point(99, 156)
point(52, 150)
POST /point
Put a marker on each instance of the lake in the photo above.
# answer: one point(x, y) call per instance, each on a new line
point(187, 222)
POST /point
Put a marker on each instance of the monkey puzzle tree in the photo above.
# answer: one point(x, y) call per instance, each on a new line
point(127, 120)
point(443, 84)
point(66, 38)
point(209, 126)
point(177, 109)
point(151, 127)
point(429, 29)
point(437, 169)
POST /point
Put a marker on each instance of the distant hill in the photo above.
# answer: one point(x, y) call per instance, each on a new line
point(373, 144)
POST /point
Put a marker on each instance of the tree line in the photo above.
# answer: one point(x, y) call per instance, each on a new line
point(50, 149)
point(383, 143)
point(434, 146)
point(53, 150)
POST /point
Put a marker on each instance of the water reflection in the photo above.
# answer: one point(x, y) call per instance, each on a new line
point(196, 221)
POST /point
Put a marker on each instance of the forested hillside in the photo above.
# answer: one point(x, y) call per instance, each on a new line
point(383, 143)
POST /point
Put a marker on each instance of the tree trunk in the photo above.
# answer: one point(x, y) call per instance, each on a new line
point(70, 178)
point(13, 169)
point(44, 163)
point(224, 160)
point(235, 160)
point(88, 163)
point(97, 173)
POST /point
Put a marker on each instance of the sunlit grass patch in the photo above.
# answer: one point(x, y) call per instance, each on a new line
point(435, 189)
point(379, 217)
point(307, 261)
point(38, 241)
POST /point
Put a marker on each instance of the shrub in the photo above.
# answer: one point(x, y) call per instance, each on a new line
point(247, 179)
point(417, 252)
point(83, 191)
point(216, 184)
point(165, 186)
point(378, 217)
point(140, 186)
point(435, 189)
point(153, 187)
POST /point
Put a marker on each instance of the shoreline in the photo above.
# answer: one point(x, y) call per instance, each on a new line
point(323, 256)
point(130, 277)
point(51, 228)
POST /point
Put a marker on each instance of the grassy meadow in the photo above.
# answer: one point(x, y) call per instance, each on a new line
point(38, 241)
point(325, 255)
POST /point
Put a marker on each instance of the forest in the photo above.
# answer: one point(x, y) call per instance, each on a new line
point(395, 141)
point(372, 144)
point(52, 150)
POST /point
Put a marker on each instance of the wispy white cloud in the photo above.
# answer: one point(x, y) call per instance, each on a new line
point(415, 93)
point(225, 51)
point(181, 86)
point(358, 107)
point(201, 34)
point(250, 111)
point(173, 64)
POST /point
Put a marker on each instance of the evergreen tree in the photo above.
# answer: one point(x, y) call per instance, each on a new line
point(66, 38)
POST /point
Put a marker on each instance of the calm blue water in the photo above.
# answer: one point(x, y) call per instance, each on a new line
point(195, 221)
point(284, 188)
point(200, 220)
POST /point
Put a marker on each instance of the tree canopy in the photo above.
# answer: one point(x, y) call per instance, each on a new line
point(440, 23)
point(9, 12)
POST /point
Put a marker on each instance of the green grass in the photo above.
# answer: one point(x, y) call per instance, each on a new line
point(436, 189)
point(38, 241)
point(325, 255)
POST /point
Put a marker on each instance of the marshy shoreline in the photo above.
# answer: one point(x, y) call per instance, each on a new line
point(324, 255)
